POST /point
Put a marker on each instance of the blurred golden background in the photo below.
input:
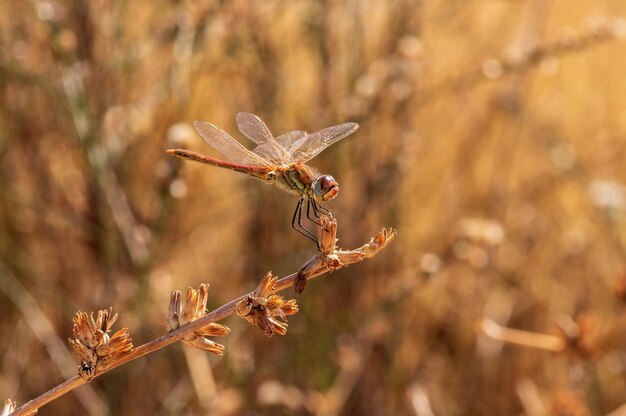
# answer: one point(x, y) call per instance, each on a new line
point(493, 137)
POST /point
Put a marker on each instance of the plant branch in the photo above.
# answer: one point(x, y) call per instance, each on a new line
point(329, 259)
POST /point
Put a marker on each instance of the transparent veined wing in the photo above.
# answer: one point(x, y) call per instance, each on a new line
point(268, 148)
point(307, 147)
point(287, 139)
point(227, 146)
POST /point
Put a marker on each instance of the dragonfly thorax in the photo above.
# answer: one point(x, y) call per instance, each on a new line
point(325, 188)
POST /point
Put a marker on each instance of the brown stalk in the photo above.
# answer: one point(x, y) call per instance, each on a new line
point(329, 259)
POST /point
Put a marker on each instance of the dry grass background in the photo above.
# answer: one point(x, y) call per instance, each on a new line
point(493, 137)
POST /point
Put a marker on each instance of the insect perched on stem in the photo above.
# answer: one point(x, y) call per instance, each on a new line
point(279, 160)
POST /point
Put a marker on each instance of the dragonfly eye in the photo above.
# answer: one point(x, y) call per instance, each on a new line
point(325, 187)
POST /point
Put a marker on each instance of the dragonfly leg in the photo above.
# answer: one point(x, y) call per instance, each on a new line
point(296, 223)
point(316, 217)
point(319, 210)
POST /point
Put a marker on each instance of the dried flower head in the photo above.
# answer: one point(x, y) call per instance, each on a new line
point(96, 350)
point(382, 239)
point(332, 258)
point(9, 407)
point(326, 244)
point(195, 308)
point(327, 235)
point(266, 309)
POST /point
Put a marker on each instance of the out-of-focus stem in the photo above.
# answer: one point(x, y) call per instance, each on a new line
point(525, 338)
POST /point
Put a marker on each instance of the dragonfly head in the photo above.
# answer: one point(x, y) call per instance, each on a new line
point(325, 188)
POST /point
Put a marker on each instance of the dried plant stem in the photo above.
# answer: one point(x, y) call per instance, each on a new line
point(348, 257)
point(49, 396)
point(145, 349)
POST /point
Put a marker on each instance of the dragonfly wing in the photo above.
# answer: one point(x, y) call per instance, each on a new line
point(287, 139)
point(307, 147)
point(266, 150)
point(227, 146)
point(256, 130)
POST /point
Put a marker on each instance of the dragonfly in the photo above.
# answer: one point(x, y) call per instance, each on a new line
point(281, 161)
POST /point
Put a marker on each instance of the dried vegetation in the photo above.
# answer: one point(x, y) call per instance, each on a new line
point(493, 137)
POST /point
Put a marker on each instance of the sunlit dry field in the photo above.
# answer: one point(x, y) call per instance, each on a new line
point(492, 137)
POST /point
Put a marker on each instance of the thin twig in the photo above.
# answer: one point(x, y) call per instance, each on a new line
point(329, 259)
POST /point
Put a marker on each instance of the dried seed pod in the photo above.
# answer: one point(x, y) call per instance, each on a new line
point(193, 309)
point(332, 258)
point(95, 349)
point(266, 309)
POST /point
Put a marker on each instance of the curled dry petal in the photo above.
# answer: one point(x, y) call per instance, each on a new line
point(9, 407)
point(205, 344)
point(327, 235)
point(289, 307)
point(215, 330)
point(119, 345)
point(351, 256)
point(105, 320)
point(266, 309)
point(331, 258)
point(199, 338)
point(384, 237)
point(88, 358)
point(193, 309)
point(266, 287)
point(273, 326)
point(95, 348)
point(173, 315)
point(195, 305)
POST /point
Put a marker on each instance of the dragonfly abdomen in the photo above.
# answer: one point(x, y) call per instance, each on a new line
point(260, 172)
